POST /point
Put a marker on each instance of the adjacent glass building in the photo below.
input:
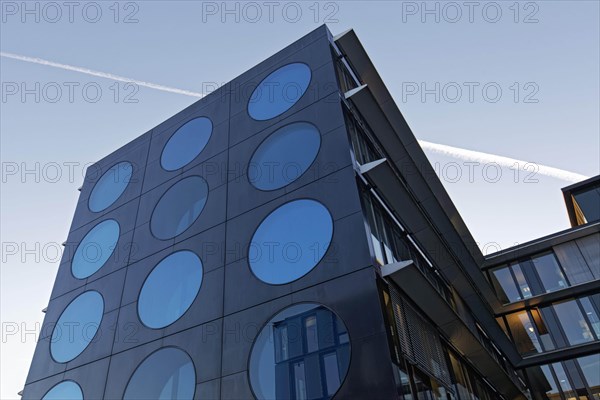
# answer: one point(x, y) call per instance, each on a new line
point(285, 237)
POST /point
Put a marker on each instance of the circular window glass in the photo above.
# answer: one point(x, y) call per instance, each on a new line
point(77, 326)
point(279, 91)
point(170, 289)
point(291, 241)
point(303, 349)
point(168, 373)
point(186, 143)
point(110, 186)
point(95, 248)
point(179, 207)
point(66, 390)
point(284, 156)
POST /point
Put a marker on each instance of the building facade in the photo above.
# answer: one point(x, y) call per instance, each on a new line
point(550, 294)
point(285, 237)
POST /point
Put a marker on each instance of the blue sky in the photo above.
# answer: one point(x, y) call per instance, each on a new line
point(543, 56)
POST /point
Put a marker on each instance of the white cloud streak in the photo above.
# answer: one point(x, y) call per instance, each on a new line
point(505, 162)
point(99, 74)
point(454, 152)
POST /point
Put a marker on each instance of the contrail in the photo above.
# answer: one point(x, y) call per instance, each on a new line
point(450, 151)
point(505, 162)
point(99, 74)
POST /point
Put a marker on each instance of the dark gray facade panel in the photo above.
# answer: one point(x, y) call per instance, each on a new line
point(212, 156)
point(125, 217)
point(137, 157)
point(202, 344)
point(323, 84)
point(90, 377)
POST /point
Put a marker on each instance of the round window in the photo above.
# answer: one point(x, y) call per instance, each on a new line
point(179, 207)
point(65, 390)
point(110, 186)
point(168, 373)
point(279, 91)
point(170, 289)
point(284, 156)
point(186, 143)
point(95, 248)
point(290, 241)
point(77, 326)
point(303, 349)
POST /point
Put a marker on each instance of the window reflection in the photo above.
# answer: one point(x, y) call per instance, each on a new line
point(110, 186)
point(77, 326)
point(573, 323)
point(522, 282)
point(308, 359)
point(279, 91)
point(95, 249)
point(186, 143)
point(563, 381)
point(284, 156)
point(552, 390)
point(570, 263)
point(590, 366)
point(66, 390)
point(179, 207)
point(523, 333)
point(290, 241)
point(170, 289)
point(168, 373)
point(549, 272)
point(505, 286)
point(587, 204)
point(591, 315)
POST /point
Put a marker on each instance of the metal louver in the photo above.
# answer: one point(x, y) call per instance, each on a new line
point(419, 340)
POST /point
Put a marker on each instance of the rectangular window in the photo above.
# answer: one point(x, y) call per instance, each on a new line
point(542, 330)
point(462, 384)
point(591, 314)
point(505, 285)
point(521, 281)
point(551, 389)
point(570, 258)
point(590, 366)
point(590, 249)
point(523, 333)
point(282, 343)
point(311, 334)
point(549, 272)
point(332, 373)
point(573, 323)
point(587, 202)
point(341, 332)
point(299, 381)
point(564, 382)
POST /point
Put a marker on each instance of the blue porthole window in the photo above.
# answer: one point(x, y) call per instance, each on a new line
point(77, 326)
point(284, 156)
point(179, 207)
point(303, 349)
point(290, 241)
point(279, 91)
point(167, 373)
point(95, 249)
point(170, 289)
point(65, 390)
point(110, 186)
point(186, 143)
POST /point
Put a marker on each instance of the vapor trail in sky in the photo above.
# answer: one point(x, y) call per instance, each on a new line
point(455, 152)
point(506, 162)
point(99, 74)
